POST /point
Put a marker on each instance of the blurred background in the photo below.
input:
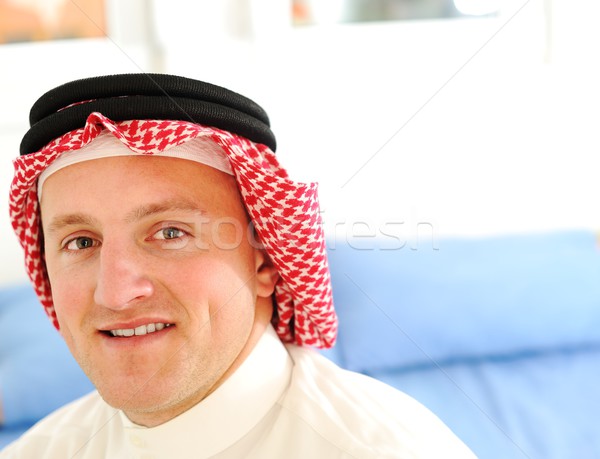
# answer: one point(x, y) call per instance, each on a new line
point(464, 132)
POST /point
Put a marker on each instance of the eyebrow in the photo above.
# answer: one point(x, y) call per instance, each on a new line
point(62, 221)
point(176, 205)
point(139, 213)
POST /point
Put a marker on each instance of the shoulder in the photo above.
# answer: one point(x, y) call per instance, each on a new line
point(65, 431)
point(365, 414)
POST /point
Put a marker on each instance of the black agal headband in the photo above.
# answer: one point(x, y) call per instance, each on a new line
point(144, 96)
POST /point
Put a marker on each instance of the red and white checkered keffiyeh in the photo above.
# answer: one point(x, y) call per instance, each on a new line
point(285, 213)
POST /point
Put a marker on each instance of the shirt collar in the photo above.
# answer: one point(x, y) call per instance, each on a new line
point(228, 413)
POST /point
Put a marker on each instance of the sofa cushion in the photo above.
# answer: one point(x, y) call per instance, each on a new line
point(466, 299)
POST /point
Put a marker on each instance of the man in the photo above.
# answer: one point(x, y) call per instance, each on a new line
point(176, 257)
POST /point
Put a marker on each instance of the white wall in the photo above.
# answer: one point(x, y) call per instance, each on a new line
point(476, 126)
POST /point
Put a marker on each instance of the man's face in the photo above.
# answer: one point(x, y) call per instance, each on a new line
point(156, 248)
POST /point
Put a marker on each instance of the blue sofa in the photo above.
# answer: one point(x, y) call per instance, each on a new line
point(499, 336)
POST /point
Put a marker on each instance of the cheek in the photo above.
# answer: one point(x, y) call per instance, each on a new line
point(71, 292)
point(68, 313)
point(227, 288)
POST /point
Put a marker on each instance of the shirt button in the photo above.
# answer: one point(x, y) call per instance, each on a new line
point(136, 440)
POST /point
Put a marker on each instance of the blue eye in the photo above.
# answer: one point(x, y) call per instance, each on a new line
point(171, 237)
point(80, 243)
point(170, 233)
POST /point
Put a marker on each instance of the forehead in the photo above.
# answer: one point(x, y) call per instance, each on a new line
point(122, 182)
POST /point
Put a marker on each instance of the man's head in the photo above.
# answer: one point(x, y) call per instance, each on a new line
point(135, 242)
point(153, 234)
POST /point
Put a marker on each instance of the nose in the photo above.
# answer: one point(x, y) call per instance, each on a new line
point(122, 276)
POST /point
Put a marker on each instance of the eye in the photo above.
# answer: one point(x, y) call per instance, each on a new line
point(169, 233)
point(80, 243)
point(171, 237)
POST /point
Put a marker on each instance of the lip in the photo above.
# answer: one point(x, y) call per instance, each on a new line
point(135, 341)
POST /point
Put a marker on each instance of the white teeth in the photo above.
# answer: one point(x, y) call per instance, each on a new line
point(138, 331)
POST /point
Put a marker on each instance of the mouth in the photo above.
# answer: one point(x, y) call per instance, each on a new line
point(137, 331)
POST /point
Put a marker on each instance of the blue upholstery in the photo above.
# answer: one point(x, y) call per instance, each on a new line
point(498, 336)
point(37, 372)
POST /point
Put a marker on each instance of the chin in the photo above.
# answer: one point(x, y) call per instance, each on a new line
point(151, 402)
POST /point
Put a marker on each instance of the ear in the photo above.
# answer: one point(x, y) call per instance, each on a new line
point(266, 274)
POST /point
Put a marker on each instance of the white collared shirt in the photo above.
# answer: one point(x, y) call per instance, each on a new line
point(283, 402)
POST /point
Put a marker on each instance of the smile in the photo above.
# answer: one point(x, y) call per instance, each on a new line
point(138, 331)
